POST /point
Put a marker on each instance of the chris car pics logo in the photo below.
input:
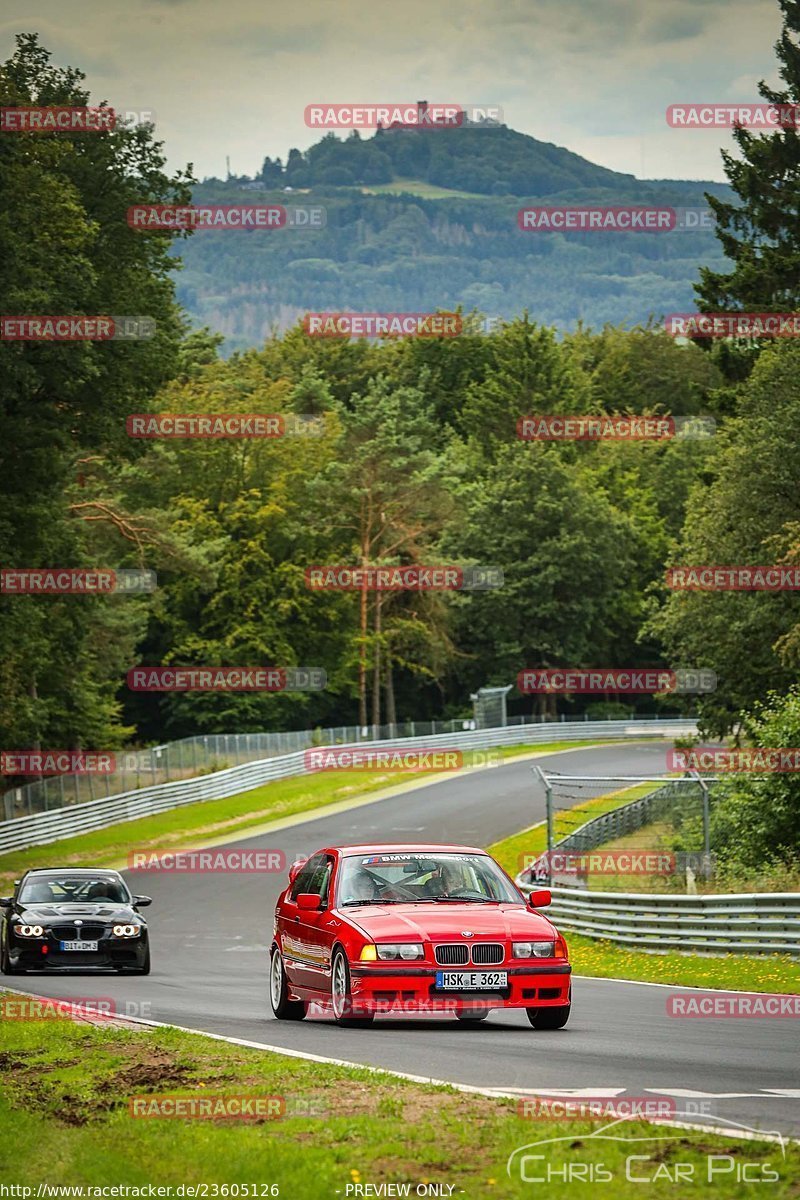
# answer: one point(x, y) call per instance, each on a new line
point(679, 1157)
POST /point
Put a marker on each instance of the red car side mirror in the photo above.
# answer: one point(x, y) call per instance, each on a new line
point(294, 869)
point(540, 899)
point(309, 900)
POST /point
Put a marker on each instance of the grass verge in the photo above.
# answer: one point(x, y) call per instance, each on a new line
point(65, 1119)
point(216, 819)
point(739, 972)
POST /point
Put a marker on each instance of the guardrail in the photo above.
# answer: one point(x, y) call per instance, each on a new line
point(750, 923)
point(43, 828)
point(206, 753)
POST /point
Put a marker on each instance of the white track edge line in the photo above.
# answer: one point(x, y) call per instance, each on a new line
point(472, 1089)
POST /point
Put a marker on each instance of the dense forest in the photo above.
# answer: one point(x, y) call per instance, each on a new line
point(428, 219)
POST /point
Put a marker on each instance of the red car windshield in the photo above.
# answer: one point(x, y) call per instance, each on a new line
point(404, 878)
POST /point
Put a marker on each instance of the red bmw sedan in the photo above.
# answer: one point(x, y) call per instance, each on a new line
point(362, 930)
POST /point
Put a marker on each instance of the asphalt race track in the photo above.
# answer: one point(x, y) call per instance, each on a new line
point(211, 933)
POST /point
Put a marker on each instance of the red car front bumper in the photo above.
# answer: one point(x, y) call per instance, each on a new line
point(413, 989)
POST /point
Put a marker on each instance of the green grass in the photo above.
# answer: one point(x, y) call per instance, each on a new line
point(417, 187)
point(217, 819)
point(512, 852)
point(65, 1119)
point(740, 972)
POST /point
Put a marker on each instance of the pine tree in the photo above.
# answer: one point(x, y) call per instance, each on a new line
point(761, 234)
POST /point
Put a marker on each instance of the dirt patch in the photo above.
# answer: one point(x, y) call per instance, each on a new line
point(9, 1063)
point(151, 1076)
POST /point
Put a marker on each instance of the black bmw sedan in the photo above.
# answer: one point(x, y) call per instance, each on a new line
point(73, 919)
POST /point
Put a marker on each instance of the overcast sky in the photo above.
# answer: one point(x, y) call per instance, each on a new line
point(234, 76)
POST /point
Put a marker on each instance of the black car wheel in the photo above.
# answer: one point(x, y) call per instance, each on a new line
point(472, 1015)
point(5, 964)
point(342, 995)
point(284, 1008)
point(145, 967)
point(549, 1018)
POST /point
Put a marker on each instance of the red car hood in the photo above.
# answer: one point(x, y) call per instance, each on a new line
point(446, 922)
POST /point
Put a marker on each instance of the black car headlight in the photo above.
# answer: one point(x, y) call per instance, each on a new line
point(126, 931)
point(34, 931)
point(533, 949)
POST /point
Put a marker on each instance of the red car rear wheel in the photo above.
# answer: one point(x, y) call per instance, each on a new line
point(284, 1008)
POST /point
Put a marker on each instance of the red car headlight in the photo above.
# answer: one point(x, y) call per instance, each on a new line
point(533, 949)
point(400, 951)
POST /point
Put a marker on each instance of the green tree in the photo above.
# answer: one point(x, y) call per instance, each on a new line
point(65, 248)
point(755, 820)
point(746, 512)
point(759, 234)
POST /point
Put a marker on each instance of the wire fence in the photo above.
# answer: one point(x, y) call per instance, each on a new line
point(204, 754)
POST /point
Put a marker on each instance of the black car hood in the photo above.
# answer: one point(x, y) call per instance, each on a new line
point(104, 911)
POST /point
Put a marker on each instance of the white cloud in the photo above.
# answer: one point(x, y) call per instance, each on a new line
point(234, 77)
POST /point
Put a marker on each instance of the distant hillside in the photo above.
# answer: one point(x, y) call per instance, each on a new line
point(490, 160)
point(440, 231)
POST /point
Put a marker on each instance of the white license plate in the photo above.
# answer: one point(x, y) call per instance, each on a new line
point(471, 981)
point(78, 945)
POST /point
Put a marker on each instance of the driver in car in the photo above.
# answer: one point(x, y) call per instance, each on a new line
point(362, 886)
point(445, 880)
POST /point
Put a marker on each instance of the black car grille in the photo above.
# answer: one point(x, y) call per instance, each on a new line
point(78, 933)
point(452, 954)
point(487, 952)
point(458, 954)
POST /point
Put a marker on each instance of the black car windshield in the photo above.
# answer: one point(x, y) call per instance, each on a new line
point(74, 889)
point(418, 878)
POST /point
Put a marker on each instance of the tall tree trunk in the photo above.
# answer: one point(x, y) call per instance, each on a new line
point(391, 709)
point(376, 664)
point(362, 650)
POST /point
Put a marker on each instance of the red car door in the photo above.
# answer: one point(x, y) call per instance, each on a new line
point(307, 939)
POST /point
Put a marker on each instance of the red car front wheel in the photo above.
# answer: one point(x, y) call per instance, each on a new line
point(342, 995)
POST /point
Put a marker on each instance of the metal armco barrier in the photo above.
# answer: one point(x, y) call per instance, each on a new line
point(43, 828)
point(751, 923)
